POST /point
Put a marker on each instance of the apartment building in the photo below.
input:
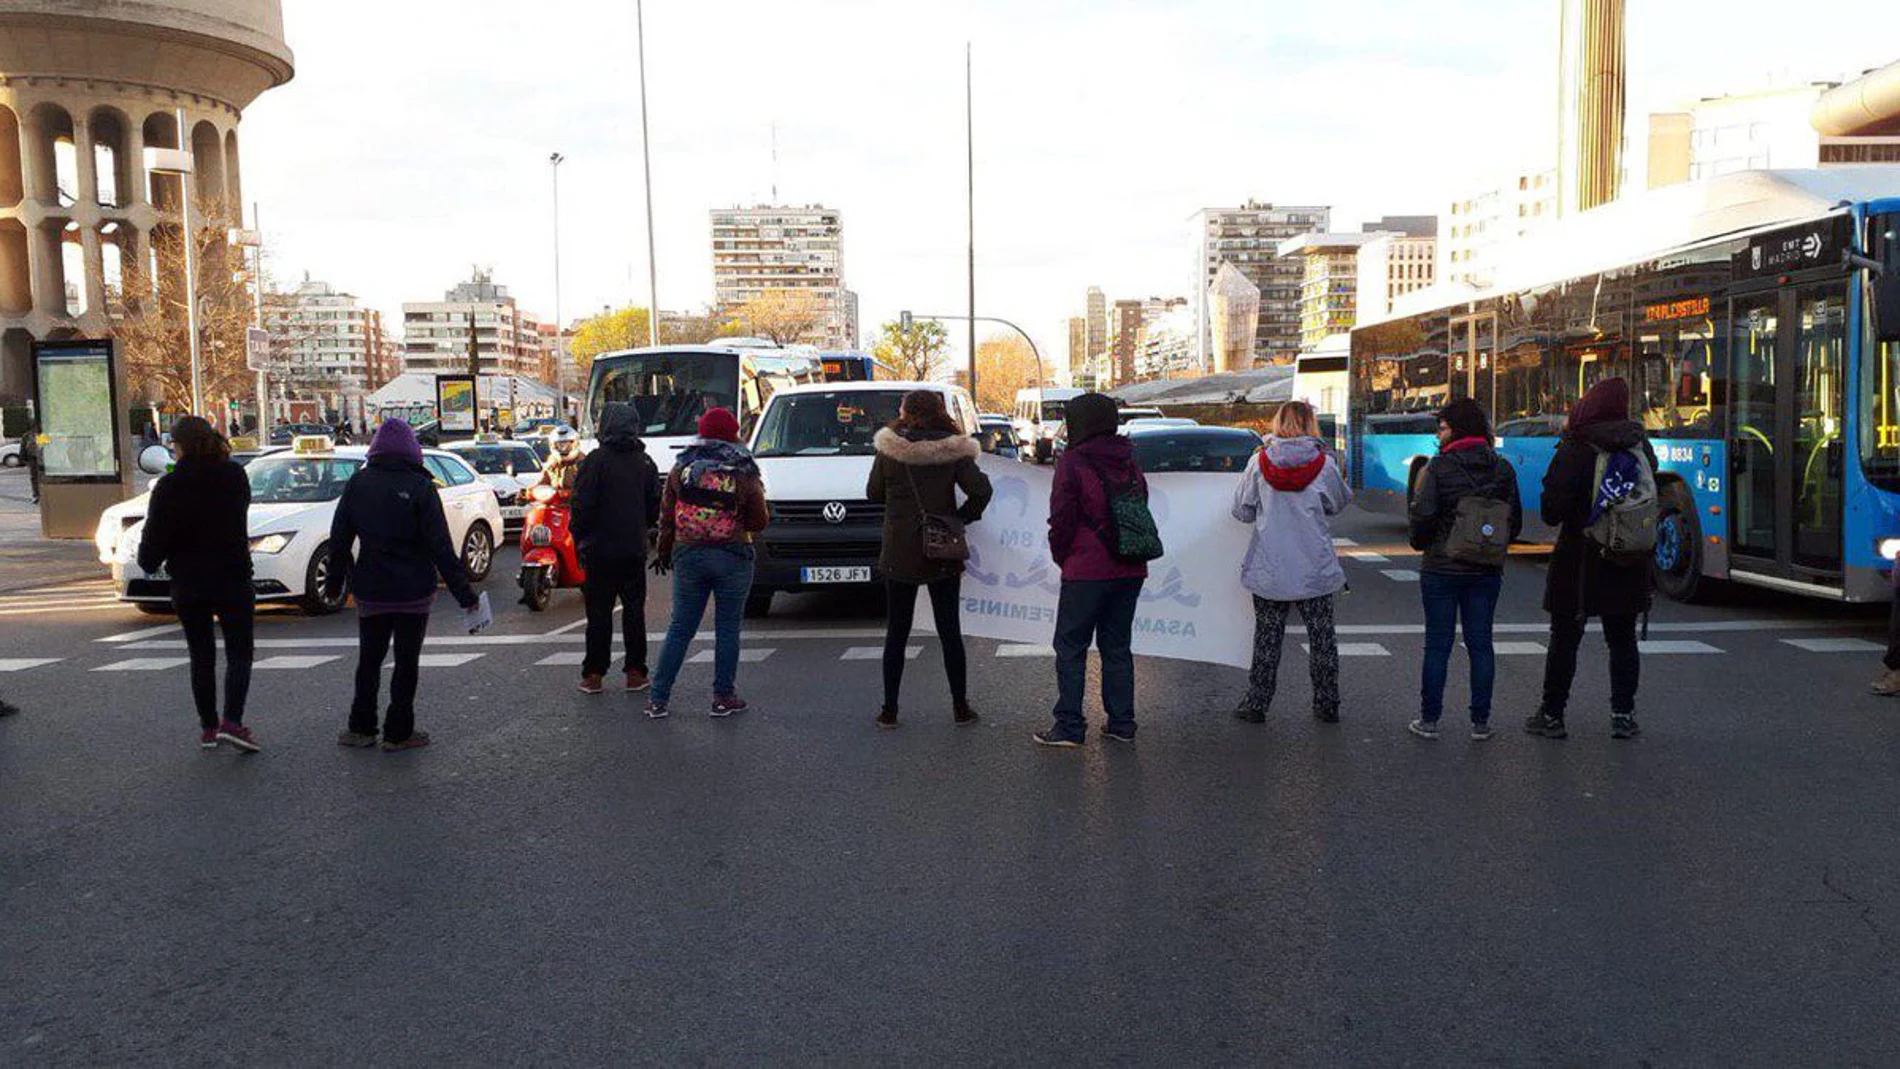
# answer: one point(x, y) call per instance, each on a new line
point(1476, 228)
point(1249, 238)
point(766, 248)
point(1769, 129)
point(325, 347)
point(436, 335)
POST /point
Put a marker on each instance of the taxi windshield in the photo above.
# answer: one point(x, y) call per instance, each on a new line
point(500, 459)
point(283, 480)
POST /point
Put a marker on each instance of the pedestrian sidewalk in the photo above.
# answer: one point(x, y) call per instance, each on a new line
point(28, 561)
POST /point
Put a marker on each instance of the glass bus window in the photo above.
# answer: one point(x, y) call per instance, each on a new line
point(670, 391)
point(1819, 420)
point(1880, 431)
point(1754, 327)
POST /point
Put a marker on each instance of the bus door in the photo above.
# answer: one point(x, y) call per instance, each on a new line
point(1473, 345)
point(1786, 419)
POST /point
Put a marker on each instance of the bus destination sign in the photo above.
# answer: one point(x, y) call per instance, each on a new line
point(1816, 244)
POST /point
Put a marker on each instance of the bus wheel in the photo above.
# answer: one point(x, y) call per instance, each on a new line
point(1678, 563)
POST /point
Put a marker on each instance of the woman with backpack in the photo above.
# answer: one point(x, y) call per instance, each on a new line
point(923, 459)
point(1602, 455)
point(1099, 492)
point(1290, 494)
point(1465, 514)
point(712, 505)
point(197, 528)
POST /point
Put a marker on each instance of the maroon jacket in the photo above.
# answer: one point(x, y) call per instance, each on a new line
point(1078, 509)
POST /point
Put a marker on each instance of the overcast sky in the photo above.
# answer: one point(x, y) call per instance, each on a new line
point(414, 139)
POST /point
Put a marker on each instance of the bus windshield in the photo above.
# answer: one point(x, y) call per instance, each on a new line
point(826, 424)
point(670, 390)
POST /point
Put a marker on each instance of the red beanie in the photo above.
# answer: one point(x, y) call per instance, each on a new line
point(719, 424)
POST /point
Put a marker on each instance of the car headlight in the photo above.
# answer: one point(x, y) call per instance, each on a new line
point(1889, 548)
point(271, 543)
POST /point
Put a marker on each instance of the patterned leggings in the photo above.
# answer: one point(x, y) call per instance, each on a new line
point(1269, 632)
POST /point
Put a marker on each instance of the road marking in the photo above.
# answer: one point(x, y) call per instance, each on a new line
point(440, 660)
point(876, 653)
point(1365, 557)
point(45, 610)
point(563, 659)
point(749, 655)
point(1344, 542)
point(144, 633)
point(1400, 575)
point(144, 664)
point(1356, 649)
point(1835, 645)
point(21, 664)
point(1518, 649)
point(1025, 651)
point(1676, 648)
point(293, 661)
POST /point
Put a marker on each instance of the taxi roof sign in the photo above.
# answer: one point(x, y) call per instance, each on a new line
point(305, 445)
point(488, 438)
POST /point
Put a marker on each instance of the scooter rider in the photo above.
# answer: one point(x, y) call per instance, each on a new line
point(564, 458)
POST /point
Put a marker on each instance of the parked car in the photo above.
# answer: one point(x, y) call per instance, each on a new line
point(293, 497)
point(1135, 412)
point(1158, 421)
point(10, 454)
point(1193, 448)
point(284, 433)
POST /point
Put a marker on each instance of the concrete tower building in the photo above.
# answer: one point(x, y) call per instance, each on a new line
point(86, 88)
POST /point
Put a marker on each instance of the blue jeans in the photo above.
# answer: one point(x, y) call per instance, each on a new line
point(1102, 611)
point(1448, 598)
point(699, 573)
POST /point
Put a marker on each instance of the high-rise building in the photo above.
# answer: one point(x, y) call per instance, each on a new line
point(772, 248)
point(1249, 238)
point(324, 347)
point(1124, 339)
point(90, 90)
point(1233, 311)
point(436, 334)
point(1078, 344)
point(1097, 314)
point(1477, 227)
point(853, 332)
point(1329, 283)
point(1392, 265)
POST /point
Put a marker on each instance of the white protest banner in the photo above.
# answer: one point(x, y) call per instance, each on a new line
point(1193, 607)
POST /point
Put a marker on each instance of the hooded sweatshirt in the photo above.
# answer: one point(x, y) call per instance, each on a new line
point(1078, 506)
point(1290, 494)
point(391, 514)
point(1579, 581)
point(1462, 469)
point(617, 493)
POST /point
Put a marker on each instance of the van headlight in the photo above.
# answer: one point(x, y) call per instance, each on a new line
point(271, 544)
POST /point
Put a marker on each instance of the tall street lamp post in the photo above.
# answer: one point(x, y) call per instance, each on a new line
point(646, 164)
point(560, 340)
point(179, 162)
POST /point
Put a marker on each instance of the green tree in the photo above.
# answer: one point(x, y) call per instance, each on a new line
point(621, 328)
point(917, 352)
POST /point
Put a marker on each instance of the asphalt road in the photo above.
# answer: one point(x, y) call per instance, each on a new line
point(561, 881)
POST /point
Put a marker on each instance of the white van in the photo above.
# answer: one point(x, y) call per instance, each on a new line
point(813, 444)
point(1039, 411)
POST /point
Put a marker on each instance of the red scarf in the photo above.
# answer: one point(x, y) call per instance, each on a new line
point(1291, 480)
point(1463, 444)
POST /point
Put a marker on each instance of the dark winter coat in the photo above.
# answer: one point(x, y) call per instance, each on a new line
point(748, 487)
point(197, 527)
point(392, 509)
point(1449, 478)
point(617, 493)
point(1581, 582)
point(918, 472)
point(1078, 508)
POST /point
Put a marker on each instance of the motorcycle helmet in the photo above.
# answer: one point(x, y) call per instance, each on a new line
point(563, 440)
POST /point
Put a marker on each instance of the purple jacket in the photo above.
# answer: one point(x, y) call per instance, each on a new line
point(1078, 509)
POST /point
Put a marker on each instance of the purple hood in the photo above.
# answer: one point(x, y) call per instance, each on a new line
point(395, 439)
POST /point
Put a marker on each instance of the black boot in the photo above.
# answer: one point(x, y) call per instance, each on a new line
point(965, 715)
point(888, 718)
point(1624, 726)
point(1547, 725)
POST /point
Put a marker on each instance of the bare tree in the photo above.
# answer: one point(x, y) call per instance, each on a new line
point(153, 334)
point(787, 316)
point(1003, 366)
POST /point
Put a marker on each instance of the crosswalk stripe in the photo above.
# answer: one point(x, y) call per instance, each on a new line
point(1342, 542)
point(1025, 651)
point(1835, 645)
point(1370, 558)
point(144, 664)
point(563, 659)
point(1668, 649)
point(45, 610)
point(439, 660)
point(876, 653)
point(1518, 649)
point(144, 633)
point(1356, 649)
point(1400, 575)
point(290, 662)
point(21, 664)
point(749, 655)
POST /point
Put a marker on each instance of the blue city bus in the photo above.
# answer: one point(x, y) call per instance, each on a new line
point(1742, 311)
point(854, 367)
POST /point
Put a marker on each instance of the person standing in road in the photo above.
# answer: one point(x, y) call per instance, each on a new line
point(1289, 494)
point(714, 502)
point(616, 502)
point(33, 457)
point(1464, 513)
point(392, 515)
point(197, 529)
point(923, 459)
point(1100, 589)
point(1582, 581)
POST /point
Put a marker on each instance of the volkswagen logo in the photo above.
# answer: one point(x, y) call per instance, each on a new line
point(834, 512)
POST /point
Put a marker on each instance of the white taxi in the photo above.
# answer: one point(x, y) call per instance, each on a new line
point(293, 497)
point(509, 468)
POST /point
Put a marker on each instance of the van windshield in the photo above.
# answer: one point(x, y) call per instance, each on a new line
point(826, 424)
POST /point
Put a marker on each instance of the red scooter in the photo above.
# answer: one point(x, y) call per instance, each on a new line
point(549, 559)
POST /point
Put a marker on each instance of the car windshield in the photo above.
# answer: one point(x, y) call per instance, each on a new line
point(284, 480)
point(669, 390)
point(1195, 451)
point(500, 459)
point(826, 424)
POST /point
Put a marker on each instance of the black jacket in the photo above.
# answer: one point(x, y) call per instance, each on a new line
point(617, 493)
point(197, 527)
point(1581, 582)
point(392, 509)
point(917, 472)
point(1446, 480)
